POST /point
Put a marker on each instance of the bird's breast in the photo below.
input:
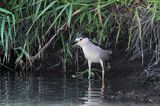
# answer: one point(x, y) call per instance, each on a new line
point(91, 54)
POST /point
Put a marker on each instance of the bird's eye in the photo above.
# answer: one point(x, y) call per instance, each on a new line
point(80, 39)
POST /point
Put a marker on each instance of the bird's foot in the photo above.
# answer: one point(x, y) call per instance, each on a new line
point(108, 66)
point(81, 74)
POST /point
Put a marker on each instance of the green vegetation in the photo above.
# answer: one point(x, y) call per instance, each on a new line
point(27, 27)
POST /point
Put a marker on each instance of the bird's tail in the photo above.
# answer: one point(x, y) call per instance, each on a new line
point(108, 52)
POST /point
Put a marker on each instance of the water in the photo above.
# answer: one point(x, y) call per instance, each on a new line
point(40, 91)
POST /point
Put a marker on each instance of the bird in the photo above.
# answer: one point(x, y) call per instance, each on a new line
point(93, 53)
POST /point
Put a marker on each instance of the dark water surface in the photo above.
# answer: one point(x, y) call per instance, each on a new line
point(40, 91)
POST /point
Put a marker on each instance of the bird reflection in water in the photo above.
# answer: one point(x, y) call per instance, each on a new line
point(94, 95)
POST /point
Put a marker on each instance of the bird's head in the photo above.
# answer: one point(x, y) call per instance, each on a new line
point(81, 41)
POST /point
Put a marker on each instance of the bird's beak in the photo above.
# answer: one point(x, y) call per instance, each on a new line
point(74, 42)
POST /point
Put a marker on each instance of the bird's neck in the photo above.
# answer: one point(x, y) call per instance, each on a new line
point(87, 46)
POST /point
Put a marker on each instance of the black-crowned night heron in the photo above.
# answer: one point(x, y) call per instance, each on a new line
point(93, 53)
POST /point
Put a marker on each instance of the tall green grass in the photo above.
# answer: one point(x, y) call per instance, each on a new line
point(26, 25)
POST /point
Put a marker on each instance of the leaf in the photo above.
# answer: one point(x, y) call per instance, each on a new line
point(2, 31)
point(49, 6)
point(158, 18)
point(5, 11)
point(70, 14)
point(82, 17)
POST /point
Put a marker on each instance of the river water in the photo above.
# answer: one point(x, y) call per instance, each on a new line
point(49, 91)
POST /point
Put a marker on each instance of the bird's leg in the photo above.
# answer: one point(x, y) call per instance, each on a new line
point(108, 65)
point(89, 71)
point(102, 65)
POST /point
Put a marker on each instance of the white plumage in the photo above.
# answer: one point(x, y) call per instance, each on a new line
point(93, 53)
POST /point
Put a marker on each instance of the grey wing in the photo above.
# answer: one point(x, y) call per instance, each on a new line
point(98, 44)
point(106, 54)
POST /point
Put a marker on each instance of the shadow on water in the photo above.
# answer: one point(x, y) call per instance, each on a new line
point(44, 91)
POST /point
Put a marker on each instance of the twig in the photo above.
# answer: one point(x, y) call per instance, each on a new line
point(49, 42)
